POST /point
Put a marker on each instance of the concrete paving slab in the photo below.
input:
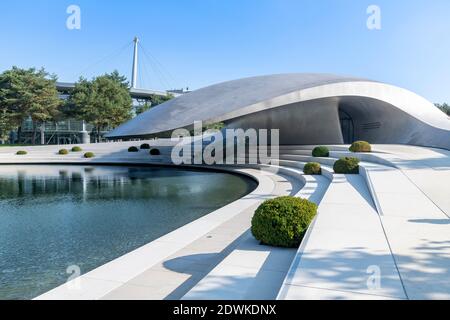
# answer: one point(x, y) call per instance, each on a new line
point(345, 243)
point(307, 293)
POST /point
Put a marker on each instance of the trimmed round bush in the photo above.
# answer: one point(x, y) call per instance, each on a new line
point(312, 168)
point(155, 152)
point(361, 146)
point(21, 153)
point(145, 146)
point(133, 149)
point(89, 155)
point(77, 149)
point(63, 152)
point(283, 222)
point(321, 152)
point(347, 165)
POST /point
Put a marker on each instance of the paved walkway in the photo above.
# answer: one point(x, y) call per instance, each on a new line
point(415, 208)
point(428, 169)
point(173, 277)
point(253, 271)
point(345, 245)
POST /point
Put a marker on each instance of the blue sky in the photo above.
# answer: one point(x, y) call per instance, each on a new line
point(201, 42)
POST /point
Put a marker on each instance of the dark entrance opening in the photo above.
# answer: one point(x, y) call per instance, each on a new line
point(347, 127)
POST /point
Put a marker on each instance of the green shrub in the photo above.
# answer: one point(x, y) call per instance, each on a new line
point(214, 126)
point(21, 153)
point(321, 152)
point(63, 152)
point(155, 152)
point(89, 155)
point(145, 146)
point(76, 149)
point(312, 168)
point(133, 149)
point(361, 146)
point(347, 165)
point(283, 222)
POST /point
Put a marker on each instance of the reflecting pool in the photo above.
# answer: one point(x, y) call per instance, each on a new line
point(55, 219)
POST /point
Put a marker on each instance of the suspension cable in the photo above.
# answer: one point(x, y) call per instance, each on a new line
point(114, 54)
point(160, 69)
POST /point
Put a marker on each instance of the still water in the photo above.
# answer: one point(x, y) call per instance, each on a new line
point(55, 217)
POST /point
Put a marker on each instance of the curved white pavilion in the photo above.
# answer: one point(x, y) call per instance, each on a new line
point(307, 108)
point(381, 234)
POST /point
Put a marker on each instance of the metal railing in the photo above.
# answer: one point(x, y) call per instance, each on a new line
point(60, 126)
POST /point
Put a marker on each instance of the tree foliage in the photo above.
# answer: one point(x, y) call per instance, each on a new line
point(27, 93)
point(105, 102)
point(217, 126)
point(444, 108)
point(7, 123)
point(153, 102)
point(143, 108)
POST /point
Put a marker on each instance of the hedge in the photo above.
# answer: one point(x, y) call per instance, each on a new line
point(361, 146)
point(155, 152)
point(347, 165)
point(63, 152)
point(283, 222)
point(312, 168)
point(321, 152)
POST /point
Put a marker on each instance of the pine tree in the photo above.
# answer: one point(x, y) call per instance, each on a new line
point(27, 93)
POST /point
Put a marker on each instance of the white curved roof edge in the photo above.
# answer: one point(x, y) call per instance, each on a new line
point(231, 99)
point(402, 99)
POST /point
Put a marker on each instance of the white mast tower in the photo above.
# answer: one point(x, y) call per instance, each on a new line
point(134, 73)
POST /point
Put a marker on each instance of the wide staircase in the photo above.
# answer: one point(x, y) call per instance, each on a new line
point(377, 236)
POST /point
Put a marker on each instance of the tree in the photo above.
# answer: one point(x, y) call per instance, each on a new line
point(116, 77)
point(444, 108)
point(143, 107)
point(10, 116)
point(104, 102)
point(44, 102)
point(7, 124)
point(27, 93)
point(153, 102)
point(73, 106)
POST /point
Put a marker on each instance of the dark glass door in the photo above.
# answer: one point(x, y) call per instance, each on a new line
point(347, 127)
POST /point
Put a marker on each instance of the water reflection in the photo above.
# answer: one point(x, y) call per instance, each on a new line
point(52, 217)
point(114, 183)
